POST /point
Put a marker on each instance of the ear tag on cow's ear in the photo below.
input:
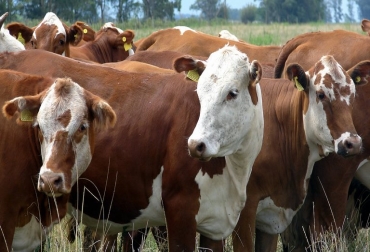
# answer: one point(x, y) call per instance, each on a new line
point(124, 39)
point(127, 46)
point(297, 84)
point(193, 75)
point(20, 38)
point(358, 79)
point(85, 31)
point(26, 116)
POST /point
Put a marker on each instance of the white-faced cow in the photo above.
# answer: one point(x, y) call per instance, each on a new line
point(7, 42)
point(304, 122)
point(51, 34)
point(157, 184)
point(54, 143)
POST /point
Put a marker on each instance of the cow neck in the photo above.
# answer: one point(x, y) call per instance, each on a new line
point(101, 49)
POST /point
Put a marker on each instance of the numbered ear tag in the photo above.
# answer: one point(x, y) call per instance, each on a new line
point(297, 84)
point(127, 46)
point(26, 116)
point(193, 75)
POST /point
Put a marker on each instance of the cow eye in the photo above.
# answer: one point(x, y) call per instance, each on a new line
point(61, 42)
point(82, 128)
point(320, 95)
point(232, 95)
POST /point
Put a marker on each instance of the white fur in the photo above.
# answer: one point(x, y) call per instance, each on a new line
point(52, 19)
point(227, 35)
point(8, 43)
point(111, 25)
point(363, 173)
point(183, 29)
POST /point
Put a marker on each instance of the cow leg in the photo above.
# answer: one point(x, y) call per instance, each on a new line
point(266, 242)
point(206, 244)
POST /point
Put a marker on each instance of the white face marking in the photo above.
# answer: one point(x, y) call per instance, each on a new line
point(52, 108)
point(271, 218)
point(30, 236)
point(8, 43)
point(111, 25)
point(52, 19)
point(227, 112)
point(183, 29)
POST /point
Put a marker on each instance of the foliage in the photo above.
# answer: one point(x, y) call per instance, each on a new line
point(208, 8)
point(223, 12)
point(364, 8)
point(163, 9)
point(248, 14)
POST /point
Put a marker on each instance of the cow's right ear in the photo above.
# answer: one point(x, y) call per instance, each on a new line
point(365, 25)
point(296, 74)
point(192, 67)
point(26, 106)
point(18, 30)
point(88, 32)
point(360, 73)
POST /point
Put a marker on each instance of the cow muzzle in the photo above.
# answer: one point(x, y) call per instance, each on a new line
point(350, 146)
point(52, 184)
point(197, 150)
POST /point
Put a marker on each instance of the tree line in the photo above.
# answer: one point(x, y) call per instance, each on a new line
point(93, 11)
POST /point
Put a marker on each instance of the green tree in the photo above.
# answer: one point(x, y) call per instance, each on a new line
point(364, 8)
point(125, 9)
point(209, 8)
point(336, 7)
point(223, 11)
point(162, 9)
point(248, 14)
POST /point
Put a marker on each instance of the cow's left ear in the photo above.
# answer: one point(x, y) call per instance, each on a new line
point(88, 32)
point(360, 73)
point(125, 39)
point(365, 25)
point(193, 68)
point(103, 113)
point(26, 106)
point(74, 34)
point(296, 74)
point(255, 72)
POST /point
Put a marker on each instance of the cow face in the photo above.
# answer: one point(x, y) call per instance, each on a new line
point(328, 111)
point(66, 116)
point(231, 105)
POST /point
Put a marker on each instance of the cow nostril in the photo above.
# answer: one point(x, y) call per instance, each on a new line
point(201, 147)
point(58, 181)
point(348, 145)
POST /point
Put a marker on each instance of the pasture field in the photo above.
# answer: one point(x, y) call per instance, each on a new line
point(258, 34)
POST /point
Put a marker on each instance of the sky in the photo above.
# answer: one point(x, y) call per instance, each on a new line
point(238, 4)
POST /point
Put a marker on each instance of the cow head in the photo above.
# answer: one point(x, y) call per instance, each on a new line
point(7, 42)
point(88, 32)
point(329, 93)
point(66, 116)
point(365, 25)
point(50, 34)
point(231, 104)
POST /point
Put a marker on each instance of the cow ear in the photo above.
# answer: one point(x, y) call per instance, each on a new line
point(255, 72)
point(20, 31)
point(193, 68)
point(88, 32)
point(360, 73)
point(125, 39)
point(104, 115)
point(365, 25)
point(26, 106)
point(75, 34)
point(296, 74)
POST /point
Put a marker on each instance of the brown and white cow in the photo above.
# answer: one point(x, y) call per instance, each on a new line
point(142, 167)
point(111, 44)
point(324, 208)
point(188, 41)
point(51, 34)
point(58, 119)
point(307, 48)
point(7, 42)
point(301, 127)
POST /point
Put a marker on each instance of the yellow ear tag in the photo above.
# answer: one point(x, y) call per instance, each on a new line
point(26, 116)
point(297, 84)
point(85, 30)
point(20, 38)
point(193, 75)
point(127, 46)
point(358, 79)
point(124, 39)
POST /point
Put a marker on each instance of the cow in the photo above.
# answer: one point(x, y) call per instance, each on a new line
point(145, 184)
point(301, 127)
point(307, 48)
point(54, 141)
point(7, 42)
point(111, 44)
point(51, 34)
point(88, 33)
point(331, 179)
point(188, 41)
point(365, 26)
point(227, 35)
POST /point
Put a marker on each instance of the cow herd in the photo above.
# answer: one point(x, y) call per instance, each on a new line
point(181, 130)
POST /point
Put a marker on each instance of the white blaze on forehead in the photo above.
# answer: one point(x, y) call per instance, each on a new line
point(111, 25)
point(183, 29)
point(338, 75)
point(52, 19)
